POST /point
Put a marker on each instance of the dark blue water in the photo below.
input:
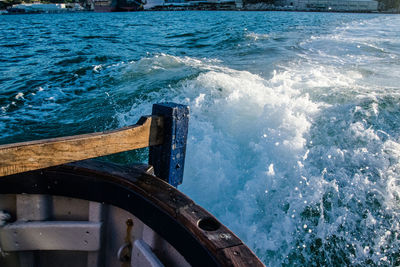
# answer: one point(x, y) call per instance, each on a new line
point(294, 137)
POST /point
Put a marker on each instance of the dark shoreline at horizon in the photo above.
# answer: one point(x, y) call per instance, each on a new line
point(218, 10)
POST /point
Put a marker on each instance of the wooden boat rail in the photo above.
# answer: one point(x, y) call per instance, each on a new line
point(165, 132)
point(38, 168)
point(33, 155)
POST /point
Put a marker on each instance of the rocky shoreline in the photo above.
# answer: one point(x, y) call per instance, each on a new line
point(230, 6)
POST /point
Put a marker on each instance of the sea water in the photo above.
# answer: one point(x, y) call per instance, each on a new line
point(294, 138)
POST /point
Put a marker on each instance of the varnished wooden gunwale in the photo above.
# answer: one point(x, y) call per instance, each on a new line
point(162, 207)
point(33, 155)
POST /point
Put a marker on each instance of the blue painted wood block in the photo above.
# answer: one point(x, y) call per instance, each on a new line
point(168, 159)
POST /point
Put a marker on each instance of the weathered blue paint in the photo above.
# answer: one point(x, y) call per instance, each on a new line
point(168, 159)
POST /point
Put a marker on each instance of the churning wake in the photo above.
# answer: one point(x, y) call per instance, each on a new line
point(304, 166)
point(294, 132)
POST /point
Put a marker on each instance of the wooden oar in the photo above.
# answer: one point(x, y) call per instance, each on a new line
point(28, 156)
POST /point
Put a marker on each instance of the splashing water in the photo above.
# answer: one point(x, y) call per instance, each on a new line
point(301, 181)
point(294, 134)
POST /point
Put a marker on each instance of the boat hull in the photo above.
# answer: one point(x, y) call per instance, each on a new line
point(187, 234)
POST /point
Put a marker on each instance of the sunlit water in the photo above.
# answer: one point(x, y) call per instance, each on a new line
point(294, 138)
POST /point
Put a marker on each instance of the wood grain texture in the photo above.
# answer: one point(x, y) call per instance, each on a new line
point(222, 243)
point(170, 213)
point(27, 156)
point(218, 238)
point(238, 256)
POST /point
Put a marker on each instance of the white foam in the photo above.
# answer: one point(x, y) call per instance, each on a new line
point(257, 36)
point(20, 95)
point(236, 120)
point(302, 148)
point(97, 68)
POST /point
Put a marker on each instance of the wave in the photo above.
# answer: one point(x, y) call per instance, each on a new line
point(300, 179)
point(257, 36)
point(301, 162)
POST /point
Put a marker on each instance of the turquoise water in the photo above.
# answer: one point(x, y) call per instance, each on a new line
point(294, 138)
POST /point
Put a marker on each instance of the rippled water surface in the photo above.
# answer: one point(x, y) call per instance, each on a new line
point(294, 138)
